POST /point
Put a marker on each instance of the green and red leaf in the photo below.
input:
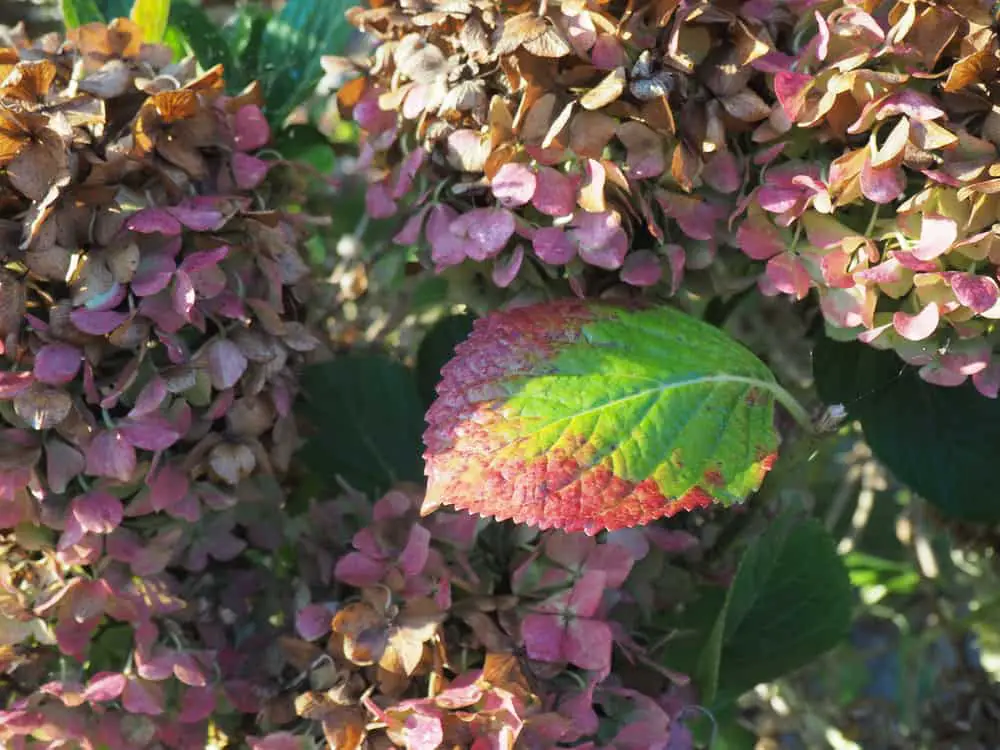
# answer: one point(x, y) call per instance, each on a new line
point(588, 416)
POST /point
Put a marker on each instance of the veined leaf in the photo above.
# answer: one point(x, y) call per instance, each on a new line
point(151, 16)
point(589, 416)
point(291, 46)
point(80, 12)
point(789, 602)
point(204, 39)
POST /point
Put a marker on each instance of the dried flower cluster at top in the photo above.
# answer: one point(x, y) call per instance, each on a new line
point(561, 134)
point(640, 138)
point(146, 352)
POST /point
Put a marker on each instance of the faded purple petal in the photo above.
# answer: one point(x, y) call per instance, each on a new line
point(555, 194)
point(226, 364)
point(152, 220)
point(154, 432)
point(313, 621)
point(250, 128)
point(97, 322)
point(641, 268)
point(248, 171)
point(142, 697)
point(514, 184)
point(978, 293)
point(104, 686)
point(97, 512)
point(505, 268)
point(198, 219)
point(154, 273)
point(149, 398)
point(378, 201)
point(111, 455)
point(489, 229)
point(57, 364)
point(553, 246)
point(197, 704)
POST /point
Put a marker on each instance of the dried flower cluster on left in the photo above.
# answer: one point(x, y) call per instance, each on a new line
point(148, 337)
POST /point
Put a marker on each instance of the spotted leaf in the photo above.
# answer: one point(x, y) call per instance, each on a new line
point(586, 416)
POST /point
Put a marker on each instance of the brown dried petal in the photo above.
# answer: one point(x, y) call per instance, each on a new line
point(12, 302)
point(590, 133)
point(232, 462)
point(43, 407)
point(745, 105)
point(607, 91)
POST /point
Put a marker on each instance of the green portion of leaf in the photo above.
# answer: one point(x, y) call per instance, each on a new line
point(113, 9)
point(942, 442)
point(80, 12)
point(291, 47)
point(437, 347)
point(364, 417)
point(662, 396)
point(203, 37)
point(789, 602)
point(151, 16)
point(305, 143)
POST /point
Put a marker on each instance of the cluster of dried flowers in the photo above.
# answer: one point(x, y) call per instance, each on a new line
point(850, 145)
point(148, 337)
point(435, 642)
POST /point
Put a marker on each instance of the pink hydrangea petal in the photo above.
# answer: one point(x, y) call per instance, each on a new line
point(154, 220)
point(935, 374)
point(408, 171)
point(786, 274)
point(204, 259)
point(987, 382)
point(356, 569)
point(312, 622)
point(505, 269)
point(378, 201)
point(447, 249)
point(167, 486)
point(97, 322)
point(413, 558)
point(611, 255)
point(198, 218)
point(641, 268)
point(276, 741)
point(553, 246)
point(97, 512)
point(544, 637)
point(555, 194)
point(489, 229)
point(588, 644)
point(111, 455)
point(410, 232)
point(153, 275)
point(882, 185)
point(759, 239)
point(153, 432)
point(919, 326)
point(608, 53)
point(423, 732)
point(142, 697)
point(250, 128)
point(197, 704)
point(937, 235)
point(978, 293)
point(57, 364)
point(722, 172)
point(104, 686)
point(13, 383)
point(790, 89)
point(249, 171)
point(514, 184)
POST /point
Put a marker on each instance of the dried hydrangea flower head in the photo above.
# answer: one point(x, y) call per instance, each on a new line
point(891, 212)
point(571, 135)
point(148, 336)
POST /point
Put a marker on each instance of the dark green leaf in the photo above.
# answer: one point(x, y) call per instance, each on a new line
point(204, 38)
point(80, 12)
point(941, 442)
point(437, 347)
point(291, 47)
point(364, 419)
point(789, 602)
point(115, 8)
point(305, 143)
